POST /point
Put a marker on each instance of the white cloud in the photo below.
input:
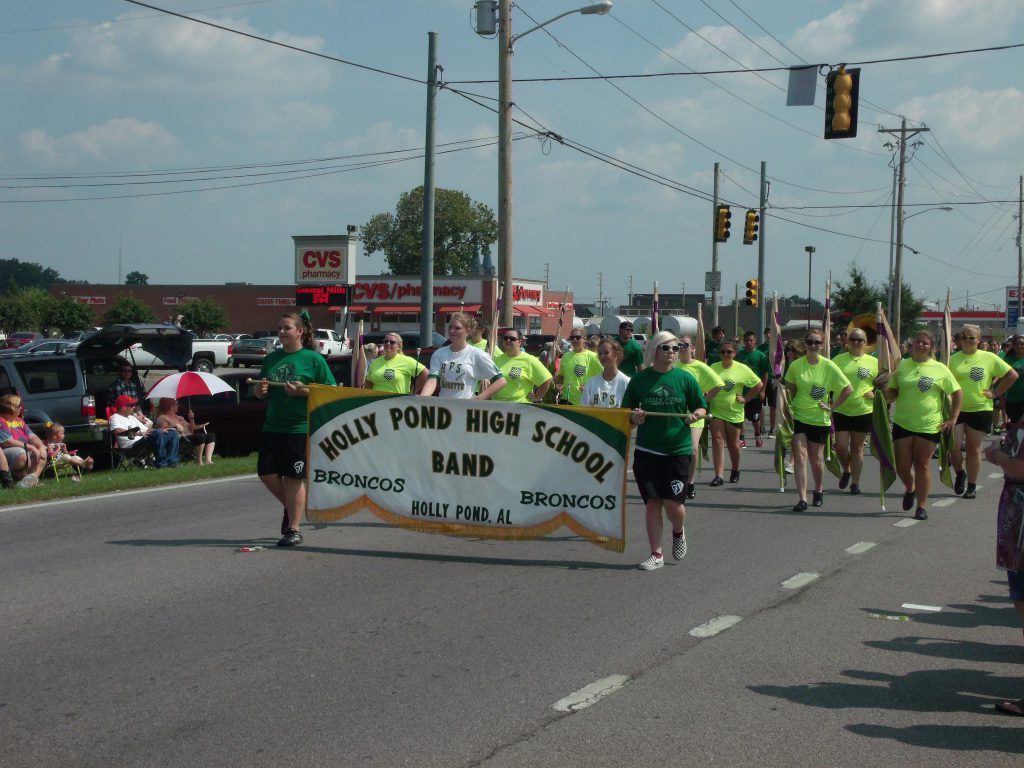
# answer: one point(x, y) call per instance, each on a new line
point(122, 138)
point(50, 65)
point(988, 120)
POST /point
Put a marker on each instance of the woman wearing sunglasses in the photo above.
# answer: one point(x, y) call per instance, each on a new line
point(852, 418)
point(809, 380)
point(918, 387)
point(527, 377)
point(578, 365)
point(975, 371)
point(661, 461)
point(394, 371)
point(728, 410)
point(607, 388)
point(710, 383)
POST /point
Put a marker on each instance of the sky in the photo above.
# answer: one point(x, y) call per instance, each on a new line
point(251, 143)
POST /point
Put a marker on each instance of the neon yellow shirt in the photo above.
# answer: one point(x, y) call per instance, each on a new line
point(725, 406)
point(575, 369)
point(482, 344)
point(860, 372)
point(523, 373)
point(974, 374)
point(394, 375)
point(921, 387)
point(706, 378)
point(813, 383)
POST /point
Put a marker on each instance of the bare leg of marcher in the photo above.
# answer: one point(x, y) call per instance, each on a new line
point(800, 465)
point(923, 450)
point(904, 450)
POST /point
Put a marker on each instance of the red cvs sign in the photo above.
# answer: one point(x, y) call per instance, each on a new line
point(323, 259)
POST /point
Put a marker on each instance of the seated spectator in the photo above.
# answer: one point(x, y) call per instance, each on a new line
point(58, 451)
point(130, 428)
point(24, 452)
point(126, 383)
point(194, 433)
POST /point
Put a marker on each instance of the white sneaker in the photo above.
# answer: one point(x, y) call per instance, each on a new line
point(788, 467)
point(652, 563)
point(679, 547)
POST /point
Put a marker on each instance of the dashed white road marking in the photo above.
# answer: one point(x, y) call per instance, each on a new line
point(916, 607)
point(943, 502)
point(906, 522)
point(591, 694)
point(800, 580)
point(716, 625)
point(860, 547)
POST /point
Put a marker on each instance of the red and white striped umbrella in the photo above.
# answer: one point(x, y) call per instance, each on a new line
point(187, 384)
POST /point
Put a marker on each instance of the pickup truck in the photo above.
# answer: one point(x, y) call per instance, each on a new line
point(151, 346)
point(329, 342)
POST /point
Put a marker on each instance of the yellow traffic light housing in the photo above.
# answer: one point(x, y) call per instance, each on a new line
point(842, 93)
point(722, 216)
point(751, 300)
point(750, 227)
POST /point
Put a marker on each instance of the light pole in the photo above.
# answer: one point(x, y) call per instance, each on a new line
point(810, 254)
point(505, 42)
point(894, 308)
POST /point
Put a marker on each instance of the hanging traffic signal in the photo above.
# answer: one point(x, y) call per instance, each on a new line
point(722, 216)
point(751, 300)
point(842, 92)
point(750, 227)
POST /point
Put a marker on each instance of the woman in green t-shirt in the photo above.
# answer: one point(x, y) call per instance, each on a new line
point(852, 420)
point(975, 370)
point(809, 380)
point(728, 410)
point(394, 371)
point(281, 465)
point(918, 387)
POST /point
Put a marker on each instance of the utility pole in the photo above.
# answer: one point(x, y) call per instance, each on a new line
point(505, 160)
point(1020, 255)
point(547, 275)
point(761, 295)
point(600, 291)
point(714, 252)
point(630, 290)
point(427, 253)
point(898, 274)
point(892, 240)
point(736, 312)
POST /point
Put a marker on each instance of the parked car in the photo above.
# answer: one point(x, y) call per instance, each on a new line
point(20, 338)
point(328, 342)
point(235, 417)
point(250, 352)
point(47, 347)
point(152, 345)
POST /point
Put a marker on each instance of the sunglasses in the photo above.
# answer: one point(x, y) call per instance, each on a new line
point(575, 338)
point(516, 338)
point(669, 347)
point(855, 340)
point(812, 343)
point(685, 345)
point(390, 343)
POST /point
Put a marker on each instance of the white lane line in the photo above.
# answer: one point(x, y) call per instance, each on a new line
point(800, 580)
point(906, 522)
point(996, 476)
point(122, 494)
point(860, 547)
point(916, 607)
point(591, 694)
point(716, 625)
point(944, 502)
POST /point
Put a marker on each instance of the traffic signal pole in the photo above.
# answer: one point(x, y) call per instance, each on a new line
point(760, 252)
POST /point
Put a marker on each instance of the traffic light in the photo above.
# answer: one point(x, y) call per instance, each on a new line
point(751, 300)
point(722, 216)
point(750, 227)
point(842, 92)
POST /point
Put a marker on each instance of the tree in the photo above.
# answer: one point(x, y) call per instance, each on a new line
point(461, 226)
point(136, 278)
point(68, 316)
point(24, 309)
point(128, 309)
point(26, 274)
point(911, 309)
point(857, 296)
point(204, 316)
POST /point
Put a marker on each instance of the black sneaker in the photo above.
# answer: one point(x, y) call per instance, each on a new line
point(819, 499)
point(290, 538)
point(844, 481)
point(716, 482)
point(960, 483)
point(734, 476)
point(691, 491)
point(971, 492)
point(284, 523)
point(854, 489)
point(801, 506)
point(6, 479)
point(908, 500)
point(921, 514)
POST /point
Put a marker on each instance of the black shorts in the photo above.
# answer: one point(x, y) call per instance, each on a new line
point(844, 423)
point(899, 433)
point(752, 409)
point(772, 391)
point(1014, 411)
point(202, 438)
point(814, 432)
point(283, 455)
point(979, 420)
point(661, 477)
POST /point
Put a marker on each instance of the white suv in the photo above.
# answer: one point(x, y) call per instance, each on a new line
point(329, 342)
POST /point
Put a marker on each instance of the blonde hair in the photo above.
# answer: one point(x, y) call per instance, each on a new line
point(10, 403)
point(661, 337)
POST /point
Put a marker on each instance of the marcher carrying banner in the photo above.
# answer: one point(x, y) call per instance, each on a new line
point(946, 438)
point(784, 415)
point(881, 429)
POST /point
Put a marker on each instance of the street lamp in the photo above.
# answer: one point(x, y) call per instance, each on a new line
point(485, 9)
point(896, 280)
point(810, 253)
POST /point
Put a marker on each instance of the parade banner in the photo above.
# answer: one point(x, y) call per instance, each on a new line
point(468, 467)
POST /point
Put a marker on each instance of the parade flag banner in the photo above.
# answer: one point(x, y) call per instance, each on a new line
point(881, 430)
point(826, 323)
point(468, 467)
point(777, 345)
point(654, 312)
point(946, 438)
point(359, 369)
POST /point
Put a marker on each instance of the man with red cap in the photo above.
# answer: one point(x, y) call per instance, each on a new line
point(134, 431)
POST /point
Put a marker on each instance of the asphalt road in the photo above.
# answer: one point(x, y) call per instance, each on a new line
point(135, 633)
